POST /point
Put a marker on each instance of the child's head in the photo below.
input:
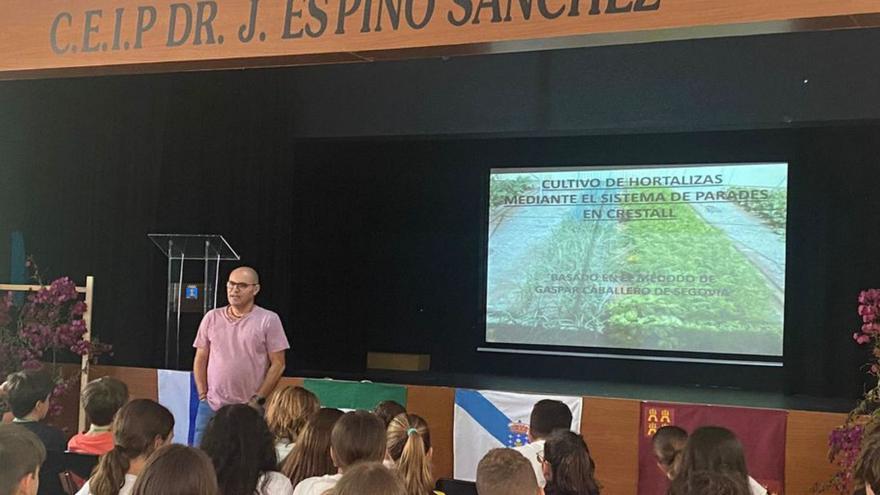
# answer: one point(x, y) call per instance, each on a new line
point(28, 393)
point(357, 436)
point(311, 456)
point(506, 472)
point(409, 446)
point(668, 444)
point(139, 428)
point(712, 448)
point(867, 468)
point(177, 470)
point(388, 410)
point(568, 466)
point(102, 398)
point(547, 416)
point(21, 454)
point(711, 483)
point(287, 411)
point(369, 478)
point(241, 447)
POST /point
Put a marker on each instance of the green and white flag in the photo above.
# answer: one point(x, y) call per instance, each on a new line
point(354, 395)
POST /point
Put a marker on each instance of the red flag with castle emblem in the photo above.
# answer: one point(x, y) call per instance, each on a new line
point(761, 431)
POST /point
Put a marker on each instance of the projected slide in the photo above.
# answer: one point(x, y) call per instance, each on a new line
point(676, 258)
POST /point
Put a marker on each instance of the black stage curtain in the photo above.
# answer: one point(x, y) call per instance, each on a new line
point(92, 166)
point(377, 245)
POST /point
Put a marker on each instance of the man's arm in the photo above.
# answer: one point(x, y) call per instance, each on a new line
point(200, 371)
point(273, 374)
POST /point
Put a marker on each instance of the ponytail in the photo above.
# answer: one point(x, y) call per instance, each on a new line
point(136, 427)
point(110, 473)
point(409, 442)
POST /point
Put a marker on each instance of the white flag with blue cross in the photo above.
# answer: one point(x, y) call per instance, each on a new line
point(485, 420)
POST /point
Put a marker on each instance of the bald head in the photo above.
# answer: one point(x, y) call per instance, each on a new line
point(245, 274)
point(242, 287)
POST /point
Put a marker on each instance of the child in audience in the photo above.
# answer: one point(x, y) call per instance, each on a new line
point(547, 416)
point(713, 483)
point(358, 436)
point(101, 399)
point(388, 410)
point(286, 414)
point(28, 394)
point(21, 455)
point(713, 448)
point(568, 467)
point(139, 428)
point(369, 478)
point(506, 472)
point(311, 455)
point(409, 446)
point(242, 448)
point(177, 470)
point(668, 443)
point(867, 468)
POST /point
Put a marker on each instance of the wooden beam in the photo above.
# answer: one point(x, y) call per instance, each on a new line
point(49, 38)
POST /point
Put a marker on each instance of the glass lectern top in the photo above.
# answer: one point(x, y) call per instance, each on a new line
point(194, 246)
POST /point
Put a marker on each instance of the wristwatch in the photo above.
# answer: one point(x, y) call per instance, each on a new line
point(261, 401)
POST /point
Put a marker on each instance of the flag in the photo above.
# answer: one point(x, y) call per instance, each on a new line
point(178, 393)
point(348, 395)
point(485, 420)
point(761, 432)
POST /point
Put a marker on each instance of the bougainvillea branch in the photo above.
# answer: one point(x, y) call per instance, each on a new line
point(42, 325)
point(845, 441)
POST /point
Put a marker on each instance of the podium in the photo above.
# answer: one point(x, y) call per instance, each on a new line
point(184, 296)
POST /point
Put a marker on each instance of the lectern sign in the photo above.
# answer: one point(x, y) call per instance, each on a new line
point(134, 35)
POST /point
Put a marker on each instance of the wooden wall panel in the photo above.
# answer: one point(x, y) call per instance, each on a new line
point(806, 446)
point(133, 34)
point(611, 428)
point(436, 405)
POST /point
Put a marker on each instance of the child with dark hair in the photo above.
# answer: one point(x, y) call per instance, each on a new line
point(139, 428)
point(311, 455)
point(28, 394)
point(713, 483)
point(716, 449)
point(388, 410)
point(239, 443)
point(668, 444)
point(568, 466)
point(177, 470)
point(358, 436)
point(21, 455)
point(547, 416)
point(101, 399)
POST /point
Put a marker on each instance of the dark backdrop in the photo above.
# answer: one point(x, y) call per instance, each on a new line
point(357, 190)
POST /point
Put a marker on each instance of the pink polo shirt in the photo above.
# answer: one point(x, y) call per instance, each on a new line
point(239, 352)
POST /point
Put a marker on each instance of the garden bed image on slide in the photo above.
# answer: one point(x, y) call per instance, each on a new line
point(738, 311)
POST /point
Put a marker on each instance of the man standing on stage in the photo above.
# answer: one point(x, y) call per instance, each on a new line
point(239, 351)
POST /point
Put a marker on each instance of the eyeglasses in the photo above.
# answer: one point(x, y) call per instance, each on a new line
point(240, 285)
point(540, 456)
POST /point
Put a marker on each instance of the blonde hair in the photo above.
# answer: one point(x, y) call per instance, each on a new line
point(409, 442)
point(288, 410)
point(369, 478)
